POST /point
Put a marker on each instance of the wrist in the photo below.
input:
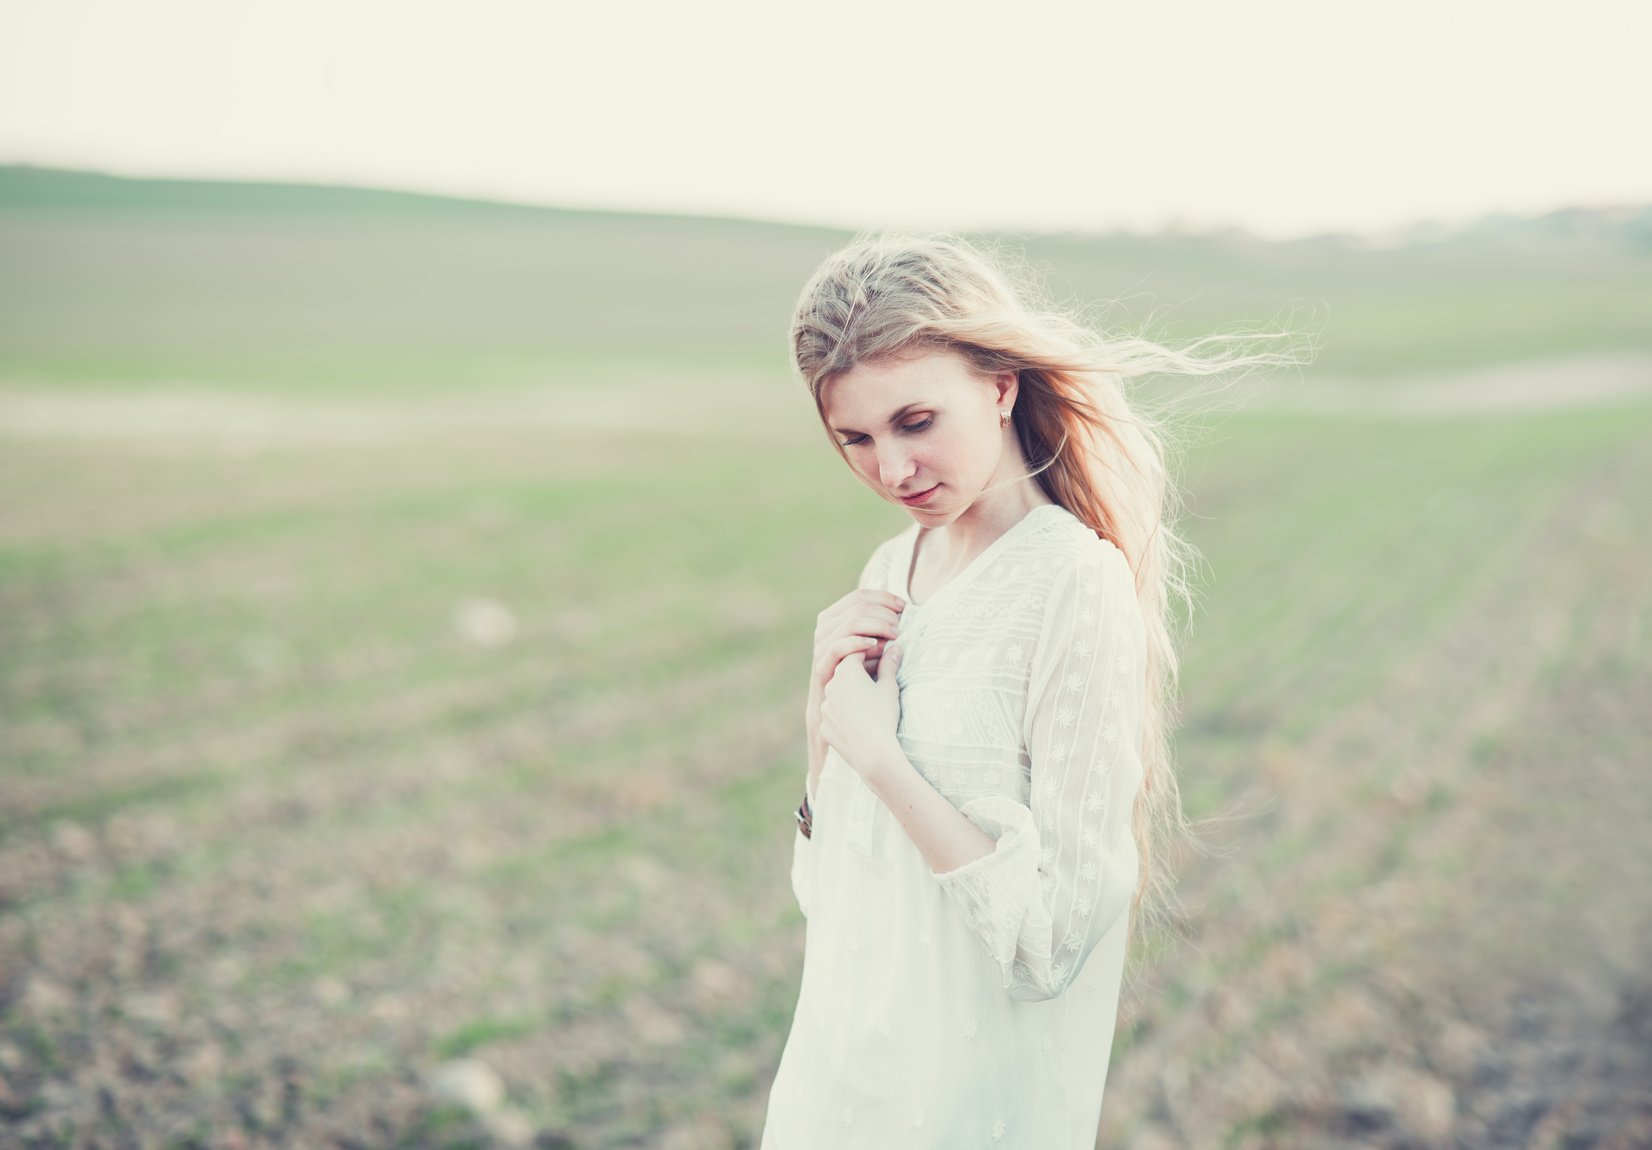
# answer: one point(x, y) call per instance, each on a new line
point(885, 762)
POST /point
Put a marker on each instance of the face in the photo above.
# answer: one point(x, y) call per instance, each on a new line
point(924, 421)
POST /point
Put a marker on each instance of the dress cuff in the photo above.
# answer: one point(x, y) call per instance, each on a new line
point(999, 892)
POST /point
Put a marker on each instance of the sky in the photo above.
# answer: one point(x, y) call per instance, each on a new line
point(1283, 117)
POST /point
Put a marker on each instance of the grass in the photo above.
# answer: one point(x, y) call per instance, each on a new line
point(333, 291)
point(239, 674)
point(624, 668)
point(475, 1035)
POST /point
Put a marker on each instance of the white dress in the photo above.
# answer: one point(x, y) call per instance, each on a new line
point(977, 1007)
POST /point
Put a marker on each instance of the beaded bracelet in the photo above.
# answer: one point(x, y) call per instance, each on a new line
point(805, 816)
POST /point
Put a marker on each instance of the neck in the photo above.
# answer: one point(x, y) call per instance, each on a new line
point(992, 514)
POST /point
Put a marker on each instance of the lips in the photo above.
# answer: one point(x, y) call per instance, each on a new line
point(921, 497)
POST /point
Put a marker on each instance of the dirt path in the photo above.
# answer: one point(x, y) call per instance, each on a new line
point(692, 401)
point(192, 416)
point(1541, 385)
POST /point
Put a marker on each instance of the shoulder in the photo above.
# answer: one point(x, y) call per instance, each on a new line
point(1073, 554)
point(1087, 581)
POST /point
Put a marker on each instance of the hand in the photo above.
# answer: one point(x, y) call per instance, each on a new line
point(841, 629)
point(859, 716)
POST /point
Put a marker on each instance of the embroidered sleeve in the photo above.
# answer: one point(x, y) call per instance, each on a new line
point(1064, 869)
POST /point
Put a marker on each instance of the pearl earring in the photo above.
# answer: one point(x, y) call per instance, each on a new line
point(1003, 417)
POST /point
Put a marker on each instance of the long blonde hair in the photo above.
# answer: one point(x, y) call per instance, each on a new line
point(1094, 451)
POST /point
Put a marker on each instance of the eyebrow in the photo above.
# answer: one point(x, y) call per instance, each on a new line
point(894, 418)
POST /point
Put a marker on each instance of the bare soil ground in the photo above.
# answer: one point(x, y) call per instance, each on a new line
point(1463, 956)
point(263, 883)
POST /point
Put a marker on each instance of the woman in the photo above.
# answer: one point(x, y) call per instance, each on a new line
point(987, 716)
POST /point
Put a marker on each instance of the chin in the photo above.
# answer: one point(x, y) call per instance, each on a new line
point(928, 515)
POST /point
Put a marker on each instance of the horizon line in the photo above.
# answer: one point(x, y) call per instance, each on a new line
point(1418, 229)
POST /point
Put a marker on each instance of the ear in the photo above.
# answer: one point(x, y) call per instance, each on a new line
point(1006, 385)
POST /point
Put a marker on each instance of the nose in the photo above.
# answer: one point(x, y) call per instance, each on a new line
point(894, 466)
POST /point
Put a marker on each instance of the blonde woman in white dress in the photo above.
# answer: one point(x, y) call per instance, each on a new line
point(989, 778)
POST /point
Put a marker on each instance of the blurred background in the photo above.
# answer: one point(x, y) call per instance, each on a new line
point(411, 537)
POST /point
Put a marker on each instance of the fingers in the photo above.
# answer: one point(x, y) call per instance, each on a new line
point(869, 597)
point(886, 599)
point(836, 652)
point(891, 661)
point(861, 601)
point(875, 621)
point(830, 650)
point(878, 623)
point(878, 626)
point(864, 620)
point(853, 664)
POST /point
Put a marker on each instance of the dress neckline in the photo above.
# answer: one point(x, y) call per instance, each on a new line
point(971, 569)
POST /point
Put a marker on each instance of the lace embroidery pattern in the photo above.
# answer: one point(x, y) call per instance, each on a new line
point(1020, 701)
point(1029, 721)
point(1071, 680)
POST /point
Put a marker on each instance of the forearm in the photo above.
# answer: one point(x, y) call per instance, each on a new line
point(943, 834)
point(816, 745)
point(817, 760)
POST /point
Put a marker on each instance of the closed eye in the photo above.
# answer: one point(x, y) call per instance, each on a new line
point(910, 427)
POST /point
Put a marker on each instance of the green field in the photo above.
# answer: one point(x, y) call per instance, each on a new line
point(321, 289)
point(350, 726)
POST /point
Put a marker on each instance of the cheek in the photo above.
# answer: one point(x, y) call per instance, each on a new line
point(955, 453)
point(864, 467)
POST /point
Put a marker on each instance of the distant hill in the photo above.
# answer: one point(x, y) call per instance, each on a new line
point(28, 188)
point(25, 187)
point(1623, 227)
point(112, 277)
